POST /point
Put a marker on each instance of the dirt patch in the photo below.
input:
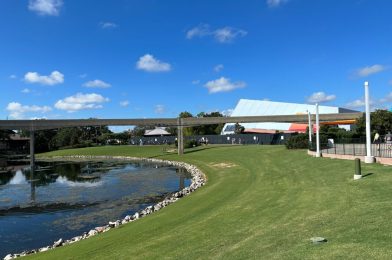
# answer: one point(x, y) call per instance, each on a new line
point(223, 165)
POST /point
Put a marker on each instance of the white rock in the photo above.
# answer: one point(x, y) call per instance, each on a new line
point(58, 243)
point(8, 257)
point(43, 249)
point(92, 232)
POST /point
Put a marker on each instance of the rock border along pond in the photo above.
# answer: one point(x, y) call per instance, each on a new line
point(198, 180)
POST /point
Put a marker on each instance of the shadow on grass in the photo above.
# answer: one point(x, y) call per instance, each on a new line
point(367, 174)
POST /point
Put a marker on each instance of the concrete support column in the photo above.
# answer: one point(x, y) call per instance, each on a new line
point(317, 131)
point(310, 127)
point(368, 158)
point(180, 137)
point(32, 153)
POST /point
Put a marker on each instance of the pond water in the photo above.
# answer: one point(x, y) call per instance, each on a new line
point(65, 199)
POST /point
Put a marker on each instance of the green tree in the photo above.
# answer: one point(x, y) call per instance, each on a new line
point(238, 129)
point(139, 130)
point(213, 129)
point(5, 134)
point(188, 131)
point(381, 122)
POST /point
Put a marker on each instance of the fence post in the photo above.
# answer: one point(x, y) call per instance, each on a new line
point(353, 149)
point(344, 150)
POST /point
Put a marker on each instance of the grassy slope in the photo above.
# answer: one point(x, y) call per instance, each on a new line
point(268, 206)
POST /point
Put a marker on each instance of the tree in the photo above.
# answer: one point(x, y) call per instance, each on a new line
point(5, 134)
point(208, 129)
point(188, 131)
point(238, 129)
point(69, 136)
point(43, 140)
point(381, 123)
point(139, 130)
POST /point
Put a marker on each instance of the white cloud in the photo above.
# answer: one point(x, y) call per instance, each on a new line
point(199, 31)
point(150, 64)
point(320, 97)
point(124, 103)
point(356, 103)
point(46, 7)
point(275, 3)
point(360, 103)
point(223, 85)
point(96, 84)
point(195, 82)
point(223, 35)
point(81, 101)
point(227, 112)
point(228, 34)
point(54, 78)
point(18, 110)
point(13, 76)
point(386, 99)
point(108, 25)
point(218, 68)
point(26, 90)
point(369, 70)
point(160, 109)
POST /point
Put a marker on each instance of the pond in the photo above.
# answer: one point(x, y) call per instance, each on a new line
point(65, 199)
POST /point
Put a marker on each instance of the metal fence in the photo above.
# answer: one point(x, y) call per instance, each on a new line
point(356, 147)
point(246, 139)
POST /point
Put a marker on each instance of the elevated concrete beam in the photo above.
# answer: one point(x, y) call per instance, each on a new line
point(191, 121)
point(53, 124)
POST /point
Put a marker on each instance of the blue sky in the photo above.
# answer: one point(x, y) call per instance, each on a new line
point(155, 58)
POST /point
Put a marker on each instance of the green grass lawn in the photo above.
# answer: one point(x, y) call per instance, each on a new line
point(261, 202)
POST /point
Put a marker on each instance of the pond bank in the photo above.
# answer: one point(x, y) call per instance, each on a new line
point(198, 179)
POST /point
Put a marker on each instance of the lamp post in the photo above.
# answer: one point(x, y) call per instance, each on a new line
point(368, 158)
point(317, 131)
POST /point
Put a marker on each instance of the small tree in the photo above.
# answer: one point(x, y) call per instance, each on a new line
point(238, 129)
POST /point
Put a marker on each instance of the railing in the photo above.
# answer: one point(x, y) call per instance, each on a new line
point(245, 139)
point(356, 147)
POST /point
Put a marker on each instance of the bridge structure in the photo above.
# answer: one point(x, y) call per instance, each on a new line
point(180, 123)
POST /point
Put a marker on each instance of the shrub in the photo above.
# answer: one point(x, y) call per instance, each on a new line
point(191, 143)
point(300, 141)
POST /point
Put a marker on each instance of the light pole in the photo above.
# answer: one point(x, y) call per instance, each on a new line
point(317, 131)
point(368, 158)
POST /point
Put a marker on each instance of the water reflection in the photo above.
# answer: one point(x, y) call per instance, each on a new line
point(65, 199)
point(18, 178)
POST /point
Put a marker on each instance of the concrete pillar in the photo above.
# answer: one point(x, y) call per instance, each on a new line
point(310, 127)
point(32, 154)
point(317, 131)
point(368, 158)
point(180, 137)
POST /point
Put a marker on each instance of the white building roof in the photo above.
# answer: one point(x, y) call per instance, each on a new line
point(247, 107)
point(156, 132)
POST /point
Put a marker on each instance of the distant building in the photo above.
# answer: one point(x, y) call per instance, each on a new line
point(247, 107)
point(158, 131)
